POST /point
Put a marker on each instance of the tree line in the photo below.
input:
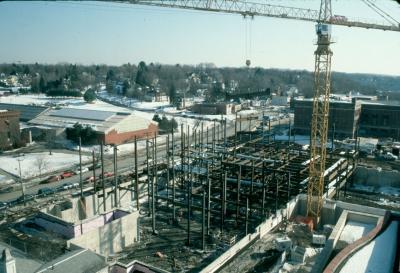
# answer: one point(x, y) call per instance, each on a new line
point(176, 81)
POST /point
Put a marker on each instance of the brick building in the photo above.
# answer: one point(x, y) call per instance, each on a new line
point(380, 120)
point(9, 129)
point(215, 108)
point(371, 119)
point(344, 115)
point(111, 127)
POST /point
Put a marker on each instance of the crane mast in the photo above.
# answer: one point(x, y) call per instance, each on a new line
point(320, 115)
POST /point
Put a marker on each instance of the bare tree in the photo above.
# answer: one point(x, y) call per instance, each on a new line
point(41, 164)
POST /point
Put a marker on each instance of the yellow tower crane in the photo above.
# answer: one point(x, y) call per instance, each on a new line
point(319, 122)
point(322, 74)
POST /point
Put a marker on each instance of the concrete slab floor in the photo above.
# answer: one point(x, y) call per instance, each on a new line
point(168, 249)
point(248, 260)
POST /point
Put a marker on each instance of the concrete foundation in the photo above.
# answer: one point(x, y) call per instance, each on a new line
point(376, 178)
point(77, 209)
point(110, 238)
point(106, 233)
point(85, 224)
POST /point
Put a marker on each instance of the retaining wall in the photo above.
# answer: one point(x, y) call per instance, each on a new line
point(339, 260)
point(110, 238)
point(261, 230)
point(373, 177)
point(91, 205)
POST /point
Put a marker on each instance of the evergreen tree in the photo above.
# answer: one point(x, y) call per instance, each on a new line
point(89, 95)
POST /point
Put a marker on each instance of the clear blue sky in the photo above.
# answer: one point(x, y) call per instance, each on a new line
point(96, 32)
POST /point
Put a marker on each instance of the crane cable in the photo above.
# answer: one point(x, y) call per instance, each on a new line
point(248, 38)
point(381, 12)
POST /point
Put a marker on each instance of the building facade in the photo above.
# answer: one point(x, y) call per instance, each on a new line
point(215, 108)
point(380, 120)
point(110, 127)
point(344, 117)
point(352, 119)
point(9, 129)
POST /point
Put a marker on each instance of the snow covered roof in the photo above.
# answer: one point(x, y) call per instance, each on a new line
point(27, 111)
point(82, 113)
point(100, 121)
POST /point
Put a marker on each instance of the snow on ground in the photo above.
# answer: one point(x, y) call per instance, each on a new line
point(39, 99)
point(353, 231)
point(299, 139)
point(79, 103)
point(361, 187)
point(171, 110)
point(132, 103)
point(5, 180)
point(30, 163)
point(149, 105)
point(377, 257)
point(392, 191)
point(247, 112)
point(108, 149)
point(386, 202)
point(389, 191)
point(99, 105)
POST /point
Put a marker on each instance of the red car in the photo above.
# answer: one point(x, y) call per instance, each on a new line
point(107, 174)
point(53, 178)
point(66, 174)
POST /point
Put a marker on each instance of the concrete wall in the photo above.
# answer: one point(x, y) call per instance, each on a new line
point(72, 230)
point(91, 205)
point(261, 230)
point(110, 238)
point(55, 224)
point(373, 177)
point(339, 260)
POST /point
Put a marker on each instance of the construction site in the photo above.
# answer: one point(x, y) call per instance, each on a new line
point(230, 198)
point(205, 202)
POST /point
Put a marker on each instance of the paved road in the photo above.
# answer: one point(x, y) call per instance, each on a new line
point(124, 163)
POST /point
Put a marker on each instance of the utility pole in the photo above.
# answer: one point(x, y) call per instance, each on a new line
point(148, 175)
point(20, 179)
point(94, 173)
point(115, 177)
point(153, 188)
point(80, 167)
point(102, 175)
point(136, 176)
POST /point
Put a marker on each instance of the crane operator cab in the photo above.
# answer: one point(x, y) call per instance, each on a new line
point(323, 29)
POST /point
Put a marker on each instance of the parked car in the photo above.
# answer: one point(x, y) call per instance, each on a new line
point(3, 206)
point(106, 174)
point(84, 169)
point(66, 186)
point(96, 166)
point(45, 191)
point(53, 178)
point(89, 179)
point(28, 197)
point(67, 174)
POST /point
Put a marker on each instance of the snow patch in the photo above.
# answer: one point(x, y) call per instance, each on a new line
point(30, 163)
point(353, 231)
point(377, 257)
